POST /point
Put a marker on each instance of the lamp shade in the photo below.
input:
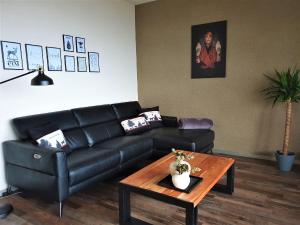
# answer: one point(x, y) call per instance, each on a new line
point(41, 80)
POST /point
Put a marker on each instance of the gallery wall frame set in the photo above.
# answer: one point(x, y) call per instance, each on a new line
point(12, 56)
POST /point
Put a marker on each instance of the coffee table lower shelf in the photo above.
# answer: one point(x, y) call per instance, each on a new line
point(191, 211)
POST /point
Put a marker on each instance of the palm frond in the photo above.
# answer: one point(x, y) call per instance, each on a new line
point(284, 86)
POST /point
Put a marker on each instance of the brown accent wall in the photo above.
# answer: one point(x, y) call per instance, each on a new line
point(261, 35)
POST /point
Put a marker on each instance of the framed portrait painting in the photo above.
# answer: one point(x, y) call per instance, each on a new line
point(11, 55)
point(94, 62)
point(34, 55)
point(54, 59)
point(209, 50)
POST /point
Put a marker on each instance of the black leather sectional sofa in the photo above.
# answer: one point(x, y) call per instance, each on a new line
point(99, 147)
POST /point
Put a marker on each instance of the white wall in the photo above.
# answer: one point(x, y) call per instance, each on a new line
point(109, 28)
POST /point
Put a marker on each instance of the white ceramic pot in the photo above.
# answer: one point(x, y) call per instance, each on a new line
point(181, 181)
point(172, 167)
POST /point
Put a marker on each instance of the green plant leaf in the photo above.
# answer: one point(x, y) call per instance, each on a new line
point(284, 86)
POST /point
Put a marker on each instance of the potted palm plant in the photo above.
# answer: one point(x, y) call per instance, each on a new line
point(285, 88)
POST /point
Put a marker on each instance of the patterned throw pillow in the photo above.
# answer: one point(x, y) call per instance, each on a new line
point(135, 125)
point(48, 135)
point(55, 139)
point(153, 117)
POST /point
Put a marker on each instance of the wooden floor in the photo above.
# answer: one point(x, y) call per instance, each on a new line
point(263, 195)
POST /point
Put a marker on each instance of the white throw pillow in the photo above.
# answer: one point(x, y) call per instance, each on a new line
point(55, 139)
point(151, 116)
point(135, 125)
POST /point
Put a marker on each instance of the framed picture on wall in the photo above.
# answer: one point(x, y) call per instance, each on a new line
point(81, 64)
point(80, 45)
point(68, 43)
point(54, 59)
point(69, 63)
point(209, 50)
point(34, 56)
point(11, 55)
point(94, 62)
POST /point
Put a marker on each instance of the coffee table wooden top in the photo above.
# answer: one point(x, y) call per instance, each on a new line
point(212, 169)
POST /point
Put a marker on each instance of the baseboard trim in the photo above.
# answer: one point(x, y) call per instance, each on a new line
point(248, 155)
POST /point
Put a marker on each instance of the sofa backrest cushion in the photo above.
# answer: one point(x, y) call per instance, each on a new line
point(127, 110)
point(64, 120)
point(99, 123)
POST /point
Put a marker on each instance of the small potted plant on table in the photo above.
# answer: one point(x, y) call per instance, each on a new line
point(285, 88)
point(180, 169)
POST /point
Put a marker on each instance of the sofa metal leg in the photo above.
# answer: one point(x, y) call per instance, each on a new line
point(9, 189)
point(61, 205)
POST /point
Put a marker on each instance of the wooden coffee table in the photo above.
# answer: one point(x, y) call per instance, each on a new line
point(145, 181)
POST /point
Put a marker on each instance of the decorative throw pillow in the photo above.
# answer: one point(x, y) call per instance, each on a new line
point(55, 139)
point(135, 125)
point(153, 117)
point(48, 135)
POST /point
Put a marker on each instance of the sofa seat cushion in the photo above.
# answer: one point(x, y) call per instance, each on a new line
point(129, 146)
point(86, 163)
point(166, 138)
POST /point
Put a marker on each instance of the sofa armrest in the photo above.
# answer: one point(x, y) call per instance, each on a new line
point(27, 155)
point(170, 121)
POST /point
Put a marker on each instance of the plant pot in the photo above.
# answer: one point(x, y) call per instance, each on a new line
point(285, 162)
point(172, 167)
point(181, 181)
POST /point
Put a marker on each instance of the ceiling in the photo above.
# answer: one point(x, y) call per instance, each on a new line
point(138, 2)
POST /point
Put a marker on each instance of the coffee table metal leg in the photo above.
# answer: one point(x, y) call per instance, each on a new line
point(229, 187)
point(124, 205)
point(230, 180)
point(191, 215)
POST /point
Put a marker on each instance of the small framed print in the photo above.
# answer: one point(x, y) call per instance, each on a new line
point(81, 64)
point(11, 55)
point(54, 59)
point(94, 62)
point(34, 56)
point(69, 63)
point(68, 43)
point(80, 45)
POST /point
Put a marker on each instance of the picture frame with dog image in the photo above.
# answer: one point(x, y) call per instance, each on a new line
point(11, 55)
